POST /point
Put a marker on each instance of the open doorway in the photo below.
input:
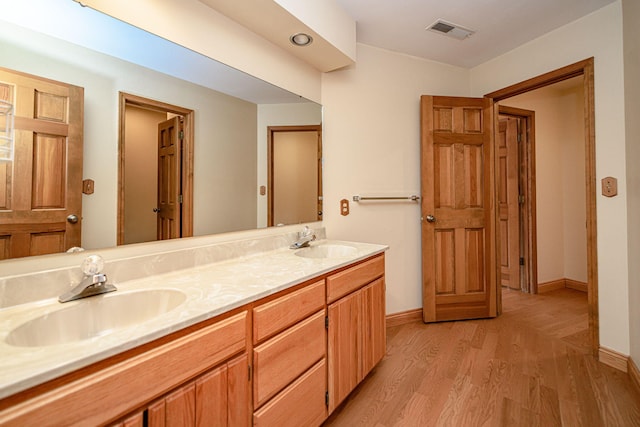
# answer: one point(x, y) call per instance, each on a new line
point(294, 174)
point(583, 195)
point(155, 176)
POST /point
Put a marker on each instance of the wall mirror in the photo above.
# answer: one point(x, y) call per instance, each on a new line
point(232, 115)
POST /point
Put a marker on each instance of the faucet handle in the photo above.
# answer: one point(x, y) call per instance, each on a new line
point(92, 265)
point(306, 231)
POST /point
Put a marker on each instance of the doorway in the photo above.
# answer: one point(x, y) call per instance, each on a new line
point(585, 69)
point(294, 174)
point(151, 192)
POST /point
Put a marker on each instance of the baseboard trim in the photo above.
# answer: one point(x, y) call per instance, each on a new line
point(408, 316)
point(560, 284)
point(613, 358)
point(574, 284)
point(551, 286)
point(634, 373)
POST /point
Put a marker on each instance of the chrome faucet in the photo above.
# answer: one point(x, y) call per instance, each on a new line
point(93, 283)
point(305, 237)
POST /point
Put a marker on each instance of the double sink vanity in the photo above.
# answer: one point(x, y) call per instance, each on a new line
point(240, 332)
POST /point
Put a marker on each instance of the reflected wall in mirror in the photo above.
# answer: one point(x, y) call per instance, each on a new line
point(232, 111)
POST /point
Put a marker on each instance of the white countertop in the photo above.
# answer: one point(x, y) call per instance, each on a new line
point(210, 290)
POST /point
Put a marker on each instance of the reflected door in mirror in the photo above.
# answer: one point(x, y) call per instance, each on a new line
point(294, 171)
point(41, 190)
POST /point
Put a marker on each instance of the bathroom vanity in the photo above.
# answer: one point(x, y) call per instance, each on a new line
point(272, 338)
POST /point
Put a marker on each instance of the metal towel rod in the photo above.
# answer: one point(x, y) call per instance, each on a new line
point(413, 198)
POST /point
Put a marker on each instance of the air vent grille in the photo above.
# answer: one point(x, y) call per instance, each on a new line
point(450, 30)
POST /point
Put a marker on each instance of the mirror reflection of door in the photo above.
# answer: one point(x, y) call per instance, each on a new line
point(41, 189)
point(295, 174)
point(155, 201)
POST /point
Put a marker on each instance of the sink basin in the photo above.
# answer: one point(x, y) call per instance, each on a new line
point(327, 251)
point(94, 316)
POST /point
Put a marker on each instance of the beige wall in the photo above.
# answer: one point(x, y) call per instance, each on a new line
point(279, 115)
point(631, 9)
point(141, 174)
point(372, 146)
point(560, 180)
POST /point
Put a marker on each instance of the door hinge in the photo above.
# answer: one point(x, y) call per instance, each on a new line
point(326, 322)
point(181, 135)
point(326, 398)
point(180, 199)
point(249, 371)
point(521, 260)
point(521, 199)
point(519, 137)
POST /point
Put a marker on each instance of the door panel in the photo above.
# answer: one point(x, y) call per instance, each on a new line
point(169, 179)
point(459, 274)
point(508, 206)
point(43, 185)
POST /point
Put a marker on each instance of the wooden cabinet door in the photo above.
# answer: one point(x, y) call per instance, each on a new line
point(373, 326)
point(42, 187)
point(211, 400)
point(343, 350)
point(219, 398)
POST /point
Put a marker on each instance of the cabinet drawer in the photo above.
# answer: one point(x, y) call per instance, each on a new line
point(300, 404)
point(283, 358)
point(279, 314)
point(349, 280)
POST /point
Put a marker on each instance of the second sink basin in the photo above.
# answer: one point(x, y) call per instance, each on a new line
point(95, 316)
point(327, 251)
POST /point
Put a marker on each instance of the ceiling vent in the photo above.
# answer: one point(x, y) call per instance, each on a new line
point(450, 30)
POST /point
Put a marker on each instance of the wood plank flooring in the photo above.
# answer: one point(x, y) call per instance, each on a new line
point(531, 366)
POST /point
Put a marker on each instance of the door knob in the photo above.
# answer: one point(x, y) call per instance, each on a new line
point(430, 218)
point(156, 210)
point(72, 219)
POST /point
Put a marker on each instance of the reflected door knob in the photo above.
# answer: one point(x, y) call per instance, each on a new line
point(72, 219)
point(430, 218)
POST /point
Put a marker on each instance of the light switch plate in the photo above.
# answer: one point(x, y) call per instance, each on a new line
point(609, 186)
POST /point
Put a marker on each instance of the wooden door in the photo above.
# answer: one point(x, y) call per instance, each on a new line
point(169, 208)
point(508, 202)
point(458, 227)
point(41, 190)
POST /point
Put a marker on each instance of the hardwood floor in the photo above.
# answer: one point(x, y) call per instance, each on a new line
point(531, 366)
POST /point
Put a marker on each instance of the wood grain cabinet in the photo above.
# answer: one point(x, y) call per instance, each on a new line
point(356, 320)
point(219, 398)
point(289, 383)
point(286, 360)
point(129, 382)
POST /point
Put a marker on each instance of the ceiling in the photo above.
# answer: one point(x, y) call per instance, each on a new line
point(500, 25)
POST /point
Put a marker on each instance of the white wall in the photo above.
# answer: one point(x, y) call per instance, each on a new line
point(560, 180)
point(631, 10)
point(372, 146)
point(279, 115)
point(597, 35)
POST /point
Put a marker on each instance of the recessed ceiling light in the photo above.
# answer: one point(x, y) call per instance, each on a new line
point(301, 39)
point(451, 30)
